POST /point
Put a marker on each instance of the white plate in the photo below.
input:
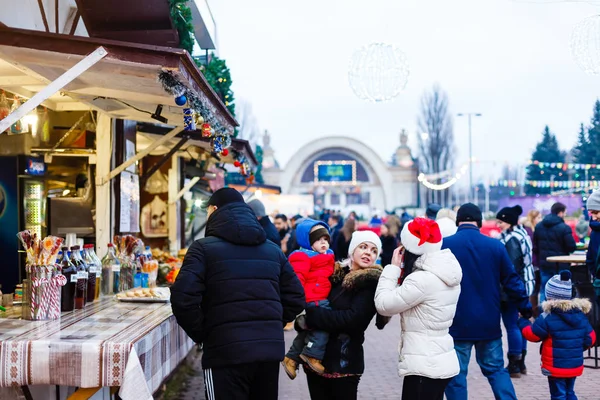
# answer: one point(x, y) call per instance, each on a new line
point(164, 293)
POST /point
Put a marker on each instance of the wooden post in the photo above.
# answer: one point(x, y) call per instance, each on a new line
point(174, 237)
point(103, 153)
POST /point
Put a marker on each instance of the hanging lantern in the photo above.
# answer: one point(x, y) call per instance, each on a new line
point(585, 45)
point(378, 72)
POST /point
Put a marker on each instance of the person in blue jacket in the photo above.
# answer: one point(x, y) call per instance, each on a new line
point(565, 333)
point(487, 271)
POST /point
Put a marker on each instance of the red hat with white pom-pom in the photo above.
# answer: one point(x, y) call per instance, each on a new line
point(421, 235)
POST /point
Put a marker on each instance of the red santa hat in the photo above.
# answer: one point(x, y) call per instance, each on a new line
point(421, 235)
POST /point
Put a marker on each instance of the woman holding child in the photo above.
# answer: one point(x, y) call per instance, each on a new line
point(351, 308)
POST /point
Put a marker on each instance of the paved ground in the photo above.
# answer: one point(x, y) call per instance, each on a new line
point(381, 380)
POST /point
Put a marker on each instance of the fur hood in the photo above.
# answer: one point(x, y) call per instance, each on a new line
point(567, 305)
point(356, 280)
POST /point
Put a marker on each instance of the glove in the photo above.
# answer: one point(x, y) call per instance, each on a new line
point(526, 312)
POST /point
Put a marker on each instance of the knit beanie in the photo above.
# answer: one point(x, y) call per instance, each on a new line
point(469, 212)
point(421, 235)
point(510, 215)
point(225, 196)
point(359, 237)
point(318, 234)
point(593, 202)
point(258, 207)
point(559, 287)
point(432, 210)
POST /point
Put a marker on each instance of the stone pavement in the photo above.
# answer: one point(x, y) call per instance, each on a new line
point(381, 380)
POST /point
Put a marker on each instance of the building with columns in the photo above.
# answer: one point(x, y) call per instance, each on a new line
point(343, 172)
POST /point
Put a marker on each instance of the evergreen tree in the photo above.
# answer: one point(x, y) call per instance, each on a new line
point(594, 136)
point(546, 151)
point(219, 78)
point(582, 152)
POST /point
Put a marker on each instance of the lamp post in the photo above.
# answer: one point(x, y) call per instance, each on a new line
point(469, 115)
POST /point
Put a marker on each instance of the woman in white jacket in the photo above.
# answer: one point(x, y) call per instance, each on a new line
point(426, 301)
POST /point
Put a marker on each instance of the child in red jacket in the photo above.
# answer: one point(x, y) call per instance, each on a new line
point(314, 264)
point(565, 333)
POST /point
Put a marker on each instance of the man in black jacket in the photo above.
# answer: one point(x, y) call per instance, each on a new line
point(263, 219)
point(552, 237)
point(234, 293)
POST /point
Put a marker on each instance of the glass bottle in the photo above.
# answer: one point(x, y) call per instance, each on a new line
point(111, 271)
point(92, 272)
point(67, 292)
point(82, 278)
point(98, 263)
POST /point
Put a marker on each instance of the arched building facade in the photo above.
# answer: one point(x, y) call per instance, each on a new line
point(344, 173)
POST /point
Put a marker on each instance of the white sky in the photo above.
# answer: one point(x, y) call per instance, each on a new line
point(506, 59)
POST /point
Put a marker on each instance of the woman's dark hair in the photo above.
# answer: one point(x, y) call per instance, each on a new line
point(348, 229)
point(409, 261)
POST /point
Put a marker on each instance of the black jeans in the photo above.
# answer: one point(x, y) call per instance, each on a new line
point(421, 388)
point(254, 381)
point(332, 388)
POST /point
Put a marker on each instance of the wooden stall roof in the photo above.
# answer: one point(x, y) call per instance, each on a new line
point(135, 21)
point(123, 84)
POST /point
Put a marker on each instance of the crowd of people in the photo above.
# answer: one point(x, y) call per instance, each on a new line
point(451, 285)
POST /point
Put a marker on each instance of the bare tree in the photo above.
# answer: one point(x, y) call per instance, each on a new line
point(248, 129)
point(436, 148)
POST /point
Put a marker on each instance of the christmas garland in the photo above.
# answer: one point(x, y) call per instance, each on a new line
point(197, 115)
point(182, 19)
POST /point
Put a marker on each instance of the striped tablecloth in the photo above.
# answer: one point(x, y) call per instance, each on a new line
point(109, 343)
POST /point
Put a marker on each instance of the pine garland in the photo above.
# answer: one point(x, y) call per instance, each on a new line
point(182, 19)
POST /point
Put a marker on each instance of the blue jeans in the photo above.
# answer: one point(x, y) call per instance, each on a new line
point(545, 275)
point(562, 388)
point(310, 343)
point(516, 342)
point(490, 358)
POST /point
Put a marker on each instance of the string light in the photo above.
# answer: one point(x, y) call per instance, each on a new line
point(425, 179)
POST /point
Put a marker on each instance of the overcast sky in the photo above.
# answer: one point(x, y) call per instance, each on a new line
point(507, 59)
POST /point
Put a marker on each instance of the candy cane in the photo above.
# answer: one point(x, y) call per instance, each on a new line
point(35, 283)
point(58, 281)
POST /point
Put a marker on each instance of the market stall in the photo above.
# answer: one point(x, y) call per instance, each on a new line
point(106, 344)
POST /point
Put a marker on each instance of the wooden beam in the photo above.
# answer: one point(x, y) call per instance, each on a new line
point(53, 87)
point(105, 179)
point(43, 12)
point(56, 16)
point(71, 22)
point(27, 94)
point(103, 154)
point(184, 189)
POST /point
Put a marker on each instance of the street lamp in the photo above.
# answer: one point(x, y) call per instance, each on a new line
point(469, 115)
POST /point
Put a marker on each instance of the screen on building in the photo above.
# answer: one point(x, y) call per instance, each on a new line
point(335, 171)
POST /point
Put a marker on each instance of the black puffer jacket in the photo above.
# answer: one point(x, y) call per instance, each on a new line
point(270, 230)
point(552, 237)
point(352, 299)
point(236, 291)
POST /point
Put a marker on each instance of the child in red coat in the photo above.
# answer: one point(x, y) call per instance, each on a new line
point(314, 264)
point(565, 333)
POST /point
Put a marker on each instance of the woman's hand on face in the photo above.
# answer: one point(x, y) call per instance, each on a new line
point(397, 256)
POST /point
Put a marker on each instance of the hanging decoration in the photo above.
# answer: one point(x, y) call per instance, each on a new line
point(547, 184)
point(426, 180)
point(188, 119)
point(219, 144)
point(585, 45)
point(378, 72)
point(176, 88)
point(4, 106)
point(181, 100)
point(207, 131)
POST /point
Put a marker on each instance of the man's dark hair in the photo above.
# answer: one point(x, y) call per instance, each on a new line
point(335, 217)
point(281, 216)
point(558, 208)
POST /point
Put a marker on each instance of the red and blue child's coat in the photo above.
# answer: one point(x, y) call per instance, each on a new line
point(565, 333)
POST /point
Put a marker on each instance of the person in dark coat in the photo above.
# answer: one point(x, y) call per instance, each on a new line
point(342, 243)
point(487, 272)
point(388, 243)
point(593, 207)
point(234, 293)
point(263, 219)
point(352, 299)
point(565, 332)
point(552, 237)
point(335, 224)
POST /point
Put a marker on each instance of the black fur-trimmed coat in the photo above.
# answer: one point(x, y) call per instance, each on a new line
point(352, 299)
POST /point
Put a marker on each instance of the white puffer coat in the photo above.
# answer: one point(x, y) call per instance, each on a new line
point(426, 302)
